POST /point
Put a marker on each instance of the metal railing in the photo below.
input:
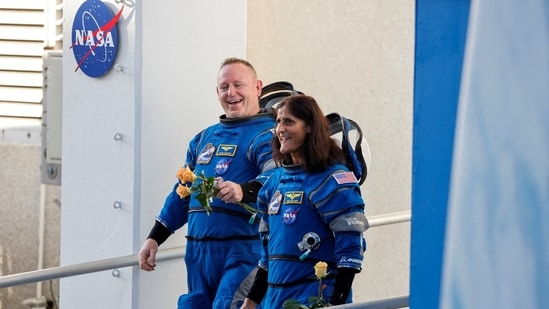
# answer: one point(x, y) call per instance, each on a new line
point(179, 252)
point(387, 303)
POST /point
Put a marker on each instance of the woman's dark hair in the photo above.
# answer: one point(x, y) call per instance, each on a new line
point(319, 150)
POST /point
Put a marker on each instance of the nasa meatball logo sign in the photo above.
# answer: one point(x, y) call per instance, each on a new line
point(95, 38)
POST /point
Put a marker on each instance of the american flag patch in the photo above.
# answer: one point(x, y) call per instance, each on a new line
point(345, 177)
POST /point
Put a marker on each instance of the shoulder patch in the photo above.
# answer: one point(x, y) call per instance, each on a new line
point(345, 177)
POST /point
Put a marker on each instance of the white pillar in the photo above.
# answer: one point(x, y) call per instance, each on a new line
point(125, 133)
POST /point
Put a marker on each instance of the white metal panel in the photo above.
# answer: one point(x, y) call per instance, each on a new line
point(21, 48)
point(21, 79)
point(16, 63)
point(22, 4)
point(20, 94)
point(22, 42)
point(26, 17)
point(53, 105)
point(22, 33)
point(24, 110)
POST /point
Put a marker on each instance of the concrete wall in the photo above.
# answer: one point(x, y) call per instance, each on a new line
point(356, 58)
point(20, 200)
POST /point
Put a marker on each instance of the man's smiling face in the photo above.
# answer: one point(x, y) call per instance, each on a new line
point(238, 90)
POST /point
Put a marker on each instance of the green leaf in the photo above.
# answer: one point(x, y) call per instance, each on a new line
point(293, 304)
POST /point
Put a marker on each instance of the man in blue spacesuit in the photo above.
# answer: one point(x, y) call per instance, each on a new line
point(222, 247)
point(314, 213)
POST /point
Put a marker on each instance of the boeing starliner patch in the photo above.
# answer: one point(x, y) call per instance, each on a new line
point(274, 204)
point(345, 177)
point(206, 154)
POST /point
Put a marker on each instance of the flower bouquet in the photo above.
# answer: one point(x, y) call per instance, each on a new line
point(206, 188)
point(318, 301)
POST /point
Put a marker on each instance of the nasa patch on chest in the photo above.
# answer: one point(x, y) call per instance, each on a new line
point(222, 166)
point(290, 215)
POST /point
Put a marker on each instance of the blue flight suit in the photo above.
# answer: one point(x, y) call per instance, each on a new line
point(222, 248)
point(326, 206)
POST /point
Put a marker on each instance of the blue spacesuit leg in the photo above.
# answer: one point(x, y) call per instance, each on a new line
point(193, 300)
point(239, 273)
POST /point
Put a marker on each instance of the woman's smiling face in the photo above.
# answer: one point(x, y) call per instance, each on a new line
point(291, 132)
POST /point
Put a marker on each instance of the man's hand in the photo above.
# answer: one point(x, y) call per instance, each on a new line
point(147, 255)
point(229, 191)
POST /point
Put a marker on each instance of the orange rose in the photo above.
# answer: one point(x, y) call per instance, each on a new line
point(183, 191)
point(186, 175)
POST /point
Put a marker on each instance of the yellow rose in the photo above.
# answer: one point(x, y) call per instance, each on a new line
point(186, 175)
point(183, 191)
point(321, 269)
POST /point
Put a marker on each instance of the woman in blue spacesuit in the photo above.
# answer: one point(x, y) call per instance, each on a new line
point(314, 212)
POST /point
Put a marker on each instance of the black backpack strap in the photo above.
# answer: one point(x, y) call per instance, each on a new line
point(344, 125)
point(358, 149)
point(275, 92)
